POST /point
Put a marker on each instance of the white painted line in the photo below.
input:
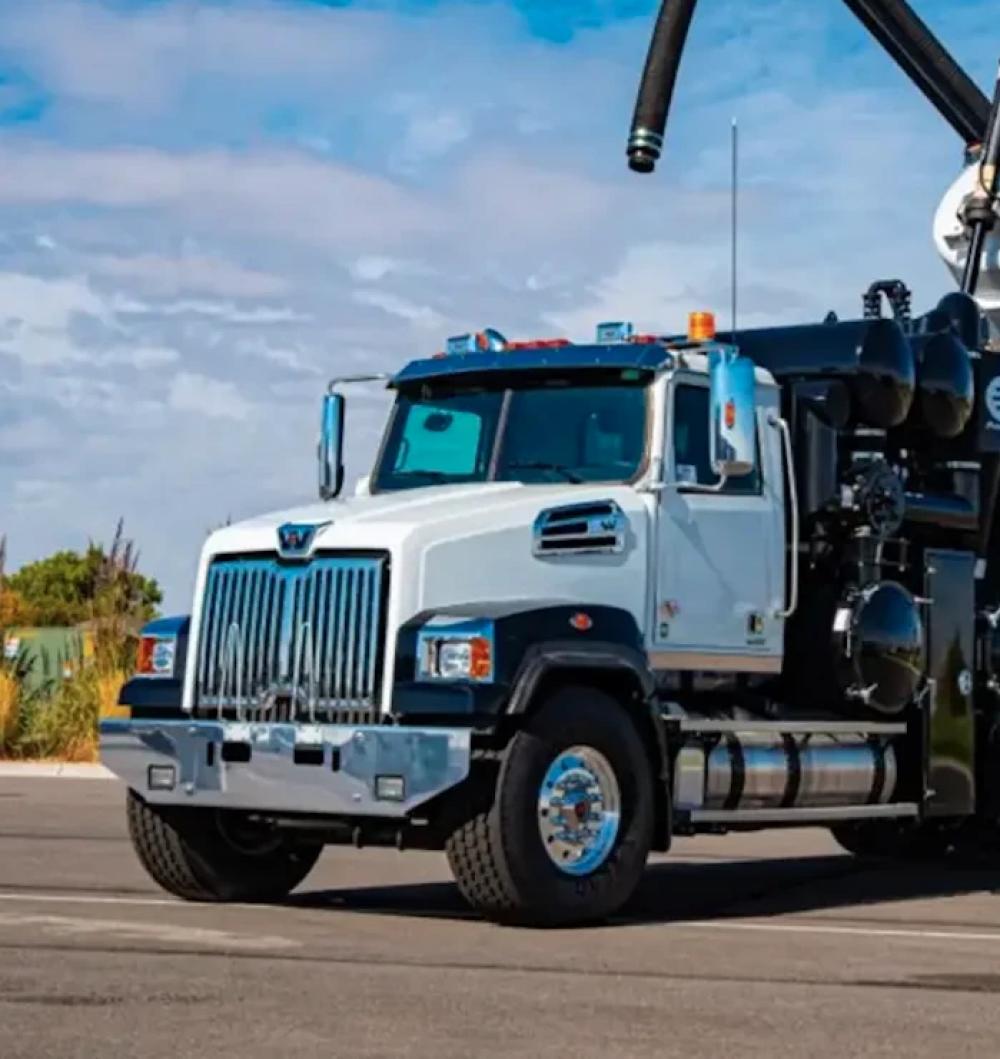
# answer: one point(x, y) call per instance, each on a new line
point(855, 932)
point(717, 925)
point(51, 770)
point(95, 899)
point(138, 930)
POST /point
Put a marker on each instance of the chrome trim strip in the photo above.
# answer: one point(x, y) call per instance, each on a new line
point(803, 816)
point(713, 727)
point(705, 661)
point(430, 761)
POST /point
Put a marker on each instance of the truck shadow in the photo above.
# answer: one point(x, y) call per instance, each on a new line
point(681, 891)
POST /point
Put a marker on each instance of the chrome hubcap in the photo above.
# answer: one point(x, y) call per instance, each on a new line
point(579, 810)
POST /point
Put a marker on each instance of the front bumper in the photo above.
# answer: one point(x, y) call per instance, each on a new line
point(329, 769)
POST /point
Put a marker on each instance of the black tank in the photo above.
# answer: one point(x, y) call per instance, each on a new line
point(879, 644)
point(874, 357)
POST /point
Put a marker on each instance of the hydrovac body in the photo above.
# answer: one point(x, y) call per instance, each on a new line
point(889, 690)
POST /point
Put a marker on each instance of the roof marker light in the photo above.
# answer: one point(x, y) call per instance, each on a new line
point(609, 334)
point(538, 343)
point(459, 345)
point(701, 327)
point(487, 341)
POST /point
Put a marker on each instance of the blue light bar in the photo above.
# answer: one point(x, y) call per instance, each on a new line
point(487, 341)
point(610, 333)
point(459, 345)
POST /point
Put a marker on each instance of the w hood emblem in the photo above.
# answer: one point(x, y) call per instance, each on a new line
point(295, 539)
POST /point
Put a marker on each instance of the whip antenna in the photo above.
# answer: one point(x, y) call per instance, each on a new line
point(735, 219)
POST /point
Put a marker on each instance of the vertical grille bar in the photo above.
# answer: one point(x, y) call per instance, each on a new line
point(300, 641)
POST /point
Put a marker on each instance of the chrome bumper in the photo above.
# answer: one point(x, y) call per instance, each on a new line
point(296, 768)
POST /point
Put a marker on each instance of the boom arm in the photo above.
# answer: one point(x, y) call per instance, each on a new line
point(922, 57)
point(893, 23)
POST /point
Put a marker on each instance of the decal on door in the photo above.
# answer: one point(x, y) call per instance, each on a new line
point(668, 610)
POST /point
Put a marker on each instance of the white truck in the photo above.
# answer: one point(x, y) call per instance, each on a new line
point(590, 597)
point(596, 595)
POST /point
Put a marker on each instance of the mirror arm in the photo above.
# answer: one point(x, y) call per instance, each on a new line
point(347, 380)
point(781, 425)
point(690, 487)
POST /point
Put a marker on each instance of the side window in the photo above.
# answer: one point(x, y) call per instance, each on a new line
point(439, 440)
point(692, 455)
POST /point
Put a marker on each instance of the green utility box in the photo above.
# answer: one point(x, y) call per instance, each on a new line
point(48, 655)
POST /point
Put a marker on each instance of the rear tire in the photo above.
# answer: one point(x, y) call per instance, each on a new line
point(205, 855)
point(570, 824)
point(887, 840)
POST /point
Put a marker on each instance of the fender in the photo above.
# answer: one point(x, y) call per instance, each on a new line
point(158, 697)
point(531, 640)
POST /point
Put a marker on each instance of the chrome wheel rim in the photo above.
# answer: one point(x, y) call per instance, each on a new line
point(579, 810)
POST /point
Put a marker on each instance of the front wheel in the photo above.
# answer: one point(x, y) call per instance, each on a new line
point(204, 855)
point(567, 835)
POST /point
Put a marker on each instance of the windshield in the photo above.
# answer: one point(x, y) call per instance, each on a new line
point(556, 431)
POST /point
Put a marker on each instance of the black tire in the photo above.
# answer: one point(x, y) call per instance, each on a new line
point(498, 857)
point(888, 840)
point(204, 855)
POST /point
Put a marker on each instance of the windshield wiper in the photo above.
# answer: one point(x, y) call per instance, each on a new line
point(540, 465)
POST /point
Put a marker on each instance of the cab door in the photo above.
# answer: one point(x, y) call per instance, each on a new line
point(721, 555)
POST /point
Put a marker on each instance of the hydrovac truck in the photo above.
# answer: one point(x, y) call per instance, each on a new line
point(594, 596)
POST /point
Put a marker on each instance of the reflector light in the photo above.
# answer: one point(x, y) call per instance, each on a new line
point(156, 655)
point(610, 333)
point(390, 788)
point(701, 327)
point(644, 340)
point(582, 622)
point(161, 777)
point(539, 343)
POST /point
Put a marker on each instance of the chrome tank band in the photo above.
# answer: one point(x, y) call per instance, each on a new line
point(754, 771)
point(298, 768)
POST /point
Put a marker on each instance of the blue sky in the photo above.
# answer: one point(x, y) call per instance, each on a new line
point(208, 208)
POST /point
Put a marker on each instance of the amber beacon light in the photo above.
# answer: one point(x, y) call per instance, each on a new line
point(701, 327)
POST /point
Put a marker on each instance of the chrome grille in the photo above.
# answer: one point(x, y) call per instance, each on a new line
point(282, 642)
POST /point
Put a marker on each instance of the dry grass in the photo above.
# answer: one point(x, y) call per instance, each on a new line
point(61, 720)
point(10, 694)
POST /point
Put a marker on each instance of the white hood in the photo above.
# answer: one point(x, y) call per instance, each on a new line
point(462, 544)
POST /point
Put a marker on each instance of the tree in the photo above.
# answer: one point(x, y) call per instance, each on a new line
point(13, 609)
point(69, 588)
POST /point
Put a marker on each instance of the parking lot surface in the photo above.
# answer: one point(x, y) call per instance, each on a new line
point(748, 945)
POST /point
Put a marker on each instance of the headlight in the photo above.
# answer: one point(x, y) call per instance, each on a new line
point(157, 656)
point(457, 650)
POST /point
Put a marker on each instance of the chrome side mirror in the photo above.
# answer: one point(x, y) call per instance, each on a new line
point(732, 414)
point(331, 446)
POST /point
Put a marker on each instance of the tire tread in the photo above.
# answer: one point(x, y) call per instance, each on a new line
point(186, 857)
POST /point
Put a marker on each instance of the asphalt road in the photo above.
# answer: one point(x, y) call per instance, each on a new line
point(767, 945)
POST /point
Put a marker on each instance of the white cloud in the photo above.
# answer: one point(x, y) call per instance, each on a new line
point(275, 193)
point(421, 315)
point(226, 311)
point(37, 316)
point(373, 267)
point(141, 60)
point(191, 392)
point(165, 276)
